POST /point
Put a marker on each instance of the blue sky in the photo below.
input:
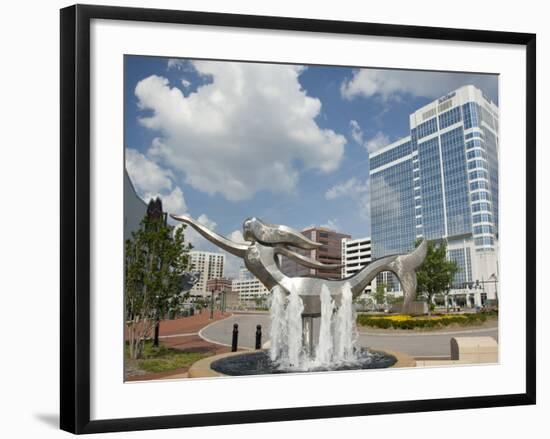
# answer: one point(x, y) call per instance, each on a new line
point(223, 140)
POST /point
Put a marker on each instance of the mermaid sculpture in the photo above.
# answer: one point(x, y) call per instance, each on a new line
point(265, 242)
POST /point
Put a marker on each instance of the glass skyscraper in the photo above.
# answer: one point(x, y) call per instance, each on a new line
point(441, 183)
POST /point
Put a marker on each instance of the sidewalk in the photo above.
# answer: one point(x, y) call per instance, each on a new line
point(187, 325)
point(182, 334)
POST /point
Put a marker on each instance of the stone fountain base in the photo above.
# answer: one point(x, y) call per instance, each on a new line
point(203, 368)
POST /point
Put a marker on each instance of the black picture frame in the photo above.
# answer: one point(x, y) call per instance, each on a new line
point(75, 217)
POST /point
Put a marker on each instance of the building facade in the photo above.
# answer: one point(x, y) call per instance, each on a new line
point(222, 287)
point(441, 183)
point(210, 266)
point(219, 285)
point(248, 287)
point(329, 253)
point(356, 254)
point(134, 208)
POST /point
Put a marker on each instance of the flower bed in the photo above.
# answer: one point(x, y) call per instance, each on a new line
point(403, 321)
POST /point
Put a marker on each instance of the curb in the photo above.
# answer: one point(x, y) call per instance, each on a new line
point(202, 368)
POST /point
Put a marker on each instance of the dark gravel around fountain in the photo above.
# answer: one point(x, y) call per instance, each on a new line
point(259, 363)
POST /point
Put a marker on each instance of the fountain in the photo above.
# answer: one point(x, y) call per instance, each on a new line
point(312, 319)
point(325, 347)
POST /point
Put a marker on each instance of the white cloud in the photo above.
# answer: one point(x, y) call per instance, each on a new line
point(389, 84)
point(207, 222)
point(377, 142)
point(152, 181)
point(356, 132)
point(354, 189)
point(368, 82)
point(201, 243)
point(178, 64)
point(172, 202)
point(332, 224)
point(236, 236)
point(185, 83)
point(198, 241)
point(145, 174)
point(252, 128)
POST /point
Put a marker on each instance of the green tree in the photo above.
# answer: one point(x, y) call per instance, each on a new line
point(361, 302)
point(436, 273)
point(138, 298)
point(172, 261)
point(201, 303)
point(392, 299)
point(380, 293)
point(156, 257)
point(260, 302)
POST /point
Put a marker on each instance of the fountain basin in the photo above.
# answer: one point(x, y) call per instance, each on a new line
point(258, 363)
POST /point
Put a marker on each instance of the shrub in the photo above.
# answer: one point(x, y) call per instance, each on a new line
point(403, 321)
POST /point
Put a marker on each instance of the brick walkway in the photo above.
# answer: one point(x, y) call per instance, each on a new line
point(188, 325)
point(169, 330)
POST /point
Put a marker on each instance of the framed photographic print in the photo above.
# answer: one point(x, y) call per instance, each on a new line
point(255, 204)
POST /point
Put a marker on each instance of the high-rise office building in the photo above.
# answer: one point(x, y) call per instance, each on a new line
point(356, 254)
point(329, 253)
point(441, 183)
point(210, 265)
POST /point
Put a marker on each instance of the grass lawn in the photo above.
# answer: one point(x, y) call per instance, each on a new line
point(162, 358)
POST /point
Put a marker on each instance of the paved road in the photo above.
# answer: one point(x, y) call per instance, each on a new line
point(416, 344)
point(222, 331)
point(421, 344)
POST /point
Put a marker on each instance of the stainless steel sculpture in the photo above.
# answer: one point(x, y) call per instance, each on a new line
point(265, 242)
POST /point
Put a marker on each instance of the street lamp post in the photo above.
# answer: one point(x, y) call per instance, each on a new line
point(212, 306)
point(495, 281)
point(492, 280)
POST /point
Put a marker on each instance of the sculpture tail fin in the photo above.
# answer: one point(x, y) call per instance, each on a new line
point(414, 259)
point(405, 268)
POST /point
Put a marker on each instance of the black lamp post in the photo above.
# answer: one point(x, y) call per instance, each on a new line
point(222, 305)
point(495, 281)
point(492, 280)
point(212, 306)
